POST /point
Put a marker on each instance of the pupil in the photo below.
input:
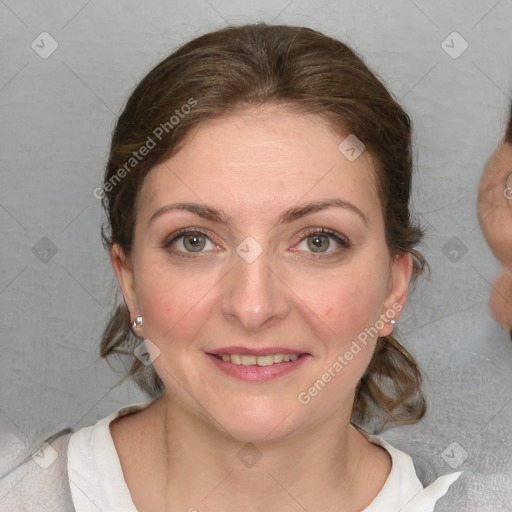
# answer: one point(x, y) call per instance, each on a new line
point(317, 241)
point(195, 241)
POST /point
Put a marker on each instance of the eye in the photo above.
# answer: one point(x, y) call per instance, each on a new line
point(318, 241)
point(187, 240)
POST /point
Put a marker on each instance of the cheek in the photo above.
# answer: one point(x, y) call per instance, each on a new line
point(173, 301)
point(346, 307)
point(344, 302)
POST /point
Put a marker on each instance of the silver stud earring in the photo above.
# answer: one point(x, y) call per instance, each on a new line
point(392, 322)
point(137, 322)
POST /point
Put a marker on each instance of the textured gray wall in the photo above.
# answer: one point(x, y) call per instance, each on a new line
point(57, 114)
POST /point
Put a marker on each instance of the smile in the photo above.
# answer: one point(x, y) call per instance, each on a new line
point(251, 360)
point(258, 367)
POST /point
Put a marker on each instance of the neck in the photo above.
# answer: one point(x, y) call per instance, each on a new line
point(314, 469)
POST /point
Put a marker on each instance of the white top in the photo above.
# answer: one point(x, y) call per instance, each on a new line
point(95, 469)
point(97, 482)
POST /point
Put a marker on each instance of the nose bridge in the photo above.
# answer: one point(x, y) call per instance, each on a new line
point(253, 295)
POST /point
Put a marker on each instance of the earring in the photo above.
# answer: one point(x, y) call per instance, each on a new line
point(392, 322)
point(137, 322)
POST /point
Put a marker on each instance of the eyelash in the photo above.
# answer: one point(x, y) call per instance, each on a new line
point(339, 238)
point(343, 241)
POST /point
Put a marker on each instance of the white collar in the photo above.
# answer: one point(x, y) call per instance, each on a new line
point(97, 482)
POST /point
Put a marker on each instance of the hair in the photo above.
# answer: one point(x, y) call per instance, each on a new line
point(508, 134)
point(236, 67)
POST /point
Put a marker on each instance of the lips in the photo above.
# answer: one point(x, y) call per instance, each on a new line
point(260, 351)
point(262, 364)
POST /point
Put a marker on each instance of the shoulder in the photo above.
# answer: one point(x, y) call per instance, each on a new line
point(40, 482)
point(403, 488)
point(94, 465)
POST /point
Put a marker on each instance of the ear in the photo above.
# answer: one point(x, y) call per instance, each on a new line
point(124, 271)
point(401, 272)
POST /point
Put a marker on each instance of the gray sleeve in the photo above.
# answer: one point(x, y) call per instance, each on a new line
point(40, 483)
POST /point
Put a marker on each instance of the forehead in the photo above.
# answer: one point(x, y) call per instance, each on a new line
point(260, 160)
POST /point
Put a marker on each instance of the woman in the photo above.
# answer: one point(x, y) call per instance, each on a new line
point(257, 197)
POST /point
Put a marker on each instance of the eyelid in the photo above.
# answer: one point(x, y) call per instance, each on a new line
point(339, 238)
point(180, 233)
point(328, 232)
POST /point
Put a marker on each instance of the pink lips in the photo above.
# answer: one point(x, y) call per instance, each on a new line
point(255, 351)
point(255, 372)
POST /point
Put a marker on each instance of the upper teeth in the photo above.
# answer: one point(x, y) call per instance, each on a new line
point(248, 360)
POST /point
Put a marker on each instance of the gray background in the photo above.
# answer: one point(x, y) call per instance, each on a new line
point(57, 115)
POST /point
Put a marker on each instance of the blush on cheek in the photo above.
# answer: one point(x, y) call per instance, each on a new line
point(161, 311)
point(357, 310)
point(175, 315)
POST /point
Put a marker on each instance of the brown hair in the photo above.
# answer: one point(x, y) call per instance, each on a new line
point(220, 73)
point(508, 134)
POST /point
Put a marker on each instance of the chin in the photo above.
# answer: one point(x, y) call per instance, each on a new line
point(257, 422)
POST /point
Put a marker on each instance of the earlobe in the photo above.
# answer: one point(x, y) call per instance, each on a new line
point(124, 272)
point(401, 272)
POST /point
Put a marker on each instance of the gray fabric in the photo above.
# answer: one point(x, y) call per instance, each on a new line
point(30, 487)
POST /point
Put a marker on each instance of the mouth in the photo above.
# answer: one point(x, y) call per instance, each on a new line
point(258, 360)
point(257, 364)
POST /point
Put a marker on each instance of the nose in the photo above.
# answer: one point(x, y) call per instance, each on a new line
point(255, 296)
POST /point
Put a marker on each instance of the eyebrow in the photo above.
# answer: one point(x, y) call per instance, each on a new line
point(290, 215)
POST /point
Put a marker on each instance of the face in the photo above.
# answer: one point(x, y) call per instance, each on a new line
point(266, 278)
point(495, 215)
point(495, 203)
